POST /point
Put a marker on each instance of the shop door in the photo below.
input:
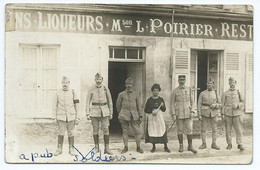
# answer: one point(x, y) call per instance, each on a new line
point(118, 73)
point(204, 64)
point(39, 81)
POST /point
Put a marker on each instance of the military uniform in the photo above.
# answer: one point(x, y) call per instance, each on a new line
point(129, 109)
point(100, 108)
point(183, 108)
point(232, 109)
point(208, 108)
point(65, 108)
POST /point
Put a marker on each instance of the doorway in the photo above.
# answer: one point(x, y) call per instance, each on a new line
point(204, 64)
point(118, 72)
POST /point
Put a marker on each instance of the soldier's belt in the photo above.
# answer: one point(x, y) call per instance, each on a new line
point(205, 104)
point(99, 104)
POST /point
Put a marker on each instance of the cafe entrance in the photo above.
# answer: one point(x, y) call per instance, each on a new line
point(124, 63)
point(204, 64)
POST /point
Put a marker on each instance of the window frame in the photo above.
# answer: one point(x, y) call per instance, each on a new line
point(125, 59)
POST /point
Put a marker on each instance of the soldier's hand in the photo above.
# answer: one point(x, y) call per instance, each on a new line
point(223, 118)
point(88, 117)
point(199, 117)
point(192, 113)
point(162, 104)
point(140, 120)
point(235, 106)
point(110, 117)
point(77, 121)
point(173, 117)
point(212, 106)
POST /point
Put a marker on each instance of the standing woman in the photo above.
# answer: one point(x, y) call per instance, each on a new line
point(156, 128)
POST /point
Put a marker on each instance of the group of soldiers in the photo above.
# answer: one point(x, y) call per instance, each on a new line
point(231, 108)
point(99, 109)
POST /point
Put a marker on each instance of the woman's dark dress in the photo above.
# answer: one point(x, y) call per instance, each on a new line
point(149, 106)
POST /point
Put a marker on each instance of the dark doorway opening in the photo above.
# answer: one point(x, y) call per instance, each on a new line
point(116, 82)
point(202, 72)
point(118, 72)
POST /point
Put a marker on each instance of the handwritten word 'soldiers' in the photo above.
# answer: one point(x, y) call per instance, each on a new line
point(36, 155)
point(91, 156)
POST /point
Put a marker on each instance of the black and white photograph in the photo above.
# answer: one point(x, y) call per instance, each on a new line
point(93, 83)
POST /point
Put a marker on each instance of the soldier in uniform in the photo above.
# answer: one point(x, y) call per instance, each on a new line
point(208, 110)
point(65, 111)
point(183, 111)
point(99, 109)
point(129, 109)
point(232, 110)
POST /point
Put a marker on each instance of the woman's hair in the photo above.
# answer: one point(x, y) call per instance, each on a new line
point(156, 86)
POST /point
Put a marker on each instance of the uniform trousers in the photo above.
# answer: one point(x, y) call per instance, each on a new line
point(104, 125)
point(236, 122)
point(183, 124)
point(204, 125)
point(66, 125)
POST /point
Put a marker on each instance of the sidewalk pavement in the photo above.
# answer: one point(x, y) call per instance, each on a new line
point(43, 153)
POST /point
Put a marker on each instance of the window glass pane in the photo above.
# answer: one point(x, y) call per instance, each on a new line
point(30, 57)
point(140, 54)
point(193, 63)
point(110, 52)
point(49, 57)
point(132, 54)
point(119, 53)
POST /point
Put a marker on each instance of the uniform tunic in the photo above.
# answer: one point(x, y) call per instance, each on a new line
point(182, 102)
point(209, 115)
point(150, 105)
point(99, 102)
point(64, 111)
point(233, 116)
point(99, 106)
point(63, 105)
point(128, 105)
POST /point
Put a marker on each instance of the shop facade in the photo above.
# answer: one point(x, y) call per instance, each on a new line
point(43, 44)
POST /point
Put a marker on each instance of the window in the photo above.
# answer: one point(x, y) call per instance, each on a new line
point(134, 54)
point(39, 81)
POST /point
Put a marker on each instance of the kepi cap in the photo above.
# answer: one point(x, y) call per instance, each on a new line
point(231, 79)
point(181, 77)
point(210, 79)
point(129, 80)
point(98, 75)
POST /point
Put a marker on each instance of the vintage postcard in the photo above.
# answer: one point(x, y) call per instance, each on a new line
point(129, 83)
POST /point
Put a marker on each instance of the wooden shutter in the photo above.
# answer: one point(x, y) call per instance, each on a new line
point(181, 66)
point(249, 83)
point(231, 68)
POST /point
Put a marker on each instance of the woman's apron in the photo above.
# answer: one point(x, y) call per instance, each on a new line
point(156, 124)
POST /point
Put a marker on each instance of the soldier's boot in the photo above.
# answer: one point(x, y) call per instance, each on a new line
point(71, 144)
point(59, 148)
point(180, 138)
point(215, 146)
point(139, 149)
point(214, 140)
point(96, 141)
point(124, 150)
point(106, 141)
point(190, 147)
point(203, 146)
point(229, 146)
point(203, 137)
point(241, 147)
